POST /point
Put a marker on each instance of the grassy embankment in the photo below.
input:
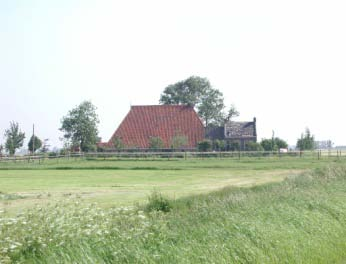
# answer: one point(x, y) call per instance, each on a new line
point(299, 220)
point(114, 182)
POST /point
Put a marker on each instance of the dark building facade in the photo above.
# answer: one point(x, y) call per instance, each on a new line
point(234, 132)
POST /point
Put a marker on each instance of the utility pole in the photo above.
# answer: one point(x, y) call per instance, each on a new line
point(33, 139)
point(273, 135)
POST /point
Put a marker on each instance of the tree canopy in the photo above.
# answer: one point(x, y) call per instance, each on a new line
point(273, 144)
point(117, 143)
point(80, 126)
point(232, 112)
point(306, 141)
point(187, 92)
point(14, 138)
point(197, 92)
point(34, 143)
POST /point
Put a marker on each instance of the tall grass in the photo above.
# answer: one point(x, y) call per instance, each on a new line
point(300, 220)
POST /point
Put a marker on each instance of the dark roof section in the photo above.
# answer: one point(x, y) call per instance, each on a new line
point(164, 121)
point(215, 132)
point(238, 130)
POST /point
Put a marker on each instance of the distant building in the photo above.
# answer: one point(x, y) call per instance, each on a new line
point(162, 121)
point(324, 144)
point(340, 147)
point(232, 131)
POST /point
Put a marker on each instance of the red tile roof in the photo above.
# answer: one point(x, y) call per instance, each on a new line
point(164, 121)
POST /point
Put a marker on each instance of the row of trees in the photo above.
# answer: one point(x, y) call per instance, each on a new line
point(273, 144)
point(79, 127)
point(305, 142)
point(14, 139)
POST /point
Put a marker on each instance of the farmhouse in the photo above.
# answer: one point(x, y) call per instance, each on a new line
point(240, 132)
point(160, 121)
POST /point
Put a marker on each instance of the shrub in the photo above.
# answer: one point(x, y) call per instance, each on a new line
point(205, 145)
point(157, 202)
point(233, 145)
point(253, 146)
point(156, 143)
point(219, 145)
point(179, 141)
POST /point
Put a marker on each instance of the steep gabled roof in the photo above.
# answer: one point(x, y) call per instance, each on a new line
point(164, 121)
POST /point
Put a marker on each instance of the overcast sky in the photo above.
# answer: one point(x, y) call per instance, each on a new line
point(281, 61)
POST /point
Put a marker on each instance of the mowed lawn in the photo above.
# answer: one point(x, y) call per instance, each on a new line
point(114, 182)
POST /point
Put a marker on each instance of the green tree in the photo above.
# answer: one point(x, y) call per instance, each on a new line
point(205, 145)
point(273, 144)
point(196, 92)
point(187, 92)
point(155, 143)
point(34, 143)
point(14, 138)
point(306, 141)
point(232, 112)
point(280, 143)
point(80, 126)
point(117, 143)
point(211, 107)
point(267, 144)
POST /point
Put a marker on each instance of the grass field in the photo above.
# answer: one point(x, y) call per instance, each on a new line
point(114, 182)
point(274, 211)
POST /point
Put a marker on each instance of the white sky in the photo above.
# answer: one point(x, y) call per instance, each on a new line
point(281, 61)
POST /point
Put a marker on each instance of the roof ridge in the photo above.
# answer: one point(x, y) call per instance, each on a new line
point(165, 105)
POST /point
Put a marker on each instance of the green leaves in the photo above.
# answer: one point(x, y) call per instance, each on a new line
point(306, 141)
point(80, 126)
point(186, 92)
point(34, 143)
point(197, 92)
point(156, 143)
point(273, 144)
point(14, 138)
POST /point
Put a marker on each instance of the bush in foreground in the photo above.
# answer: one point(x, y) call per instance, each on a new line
point(158, 202)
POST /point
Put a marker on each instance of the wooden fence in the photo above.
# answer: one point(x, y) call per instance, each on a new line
point(318, 154)
point(40, 158)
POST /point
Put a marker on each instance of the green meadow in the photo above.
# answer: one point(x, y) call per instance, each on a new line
point(270, 210)
point(125, 182)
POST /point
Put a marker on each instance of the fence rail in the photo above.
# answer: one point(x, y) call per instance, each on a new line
point(39, 158)
point(216, 154)
point(318, 154)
